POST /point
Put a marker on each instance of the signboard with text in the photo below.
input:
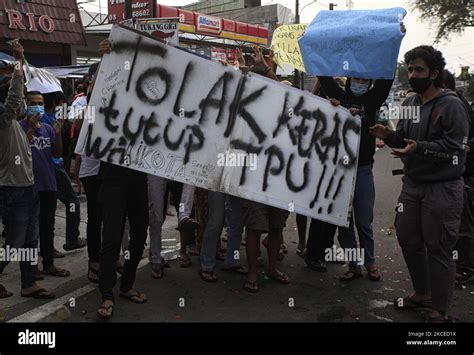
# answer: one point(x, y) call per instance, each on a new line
point(182, 117)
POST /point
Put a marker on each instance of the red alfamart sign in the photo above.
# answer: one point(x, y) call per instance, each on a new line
point(29, 22)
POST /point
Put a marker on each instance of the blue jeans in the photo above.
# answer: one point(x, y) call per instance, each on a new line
point(20, 207)
point(363, 215)
point(68, 196)
point(215, 222)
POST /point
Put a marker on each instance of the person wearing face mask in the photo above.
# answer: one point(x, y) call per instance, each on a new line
point(45, 142)
point(363, 97)
point(18, 198)
point(431, 202)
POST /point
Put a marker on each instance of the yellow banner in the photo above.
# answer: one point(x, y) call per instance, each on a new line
point(285, 45)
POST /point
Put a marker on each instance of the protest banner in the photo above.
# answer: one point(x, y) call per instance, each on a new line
point(353, 43)
point(285, 45)
point(170, 113)
point(37, 79)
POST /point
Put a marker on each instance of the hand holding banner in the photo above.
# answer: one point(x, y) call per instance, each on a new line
point(354, 43)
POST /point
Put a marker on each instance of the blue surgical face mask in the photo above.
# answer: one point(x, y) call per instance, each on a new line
point(359, 89)
point(34, 110)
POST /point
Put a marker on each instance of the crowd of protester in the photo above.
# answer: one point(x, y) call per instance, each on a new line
point(434, 214)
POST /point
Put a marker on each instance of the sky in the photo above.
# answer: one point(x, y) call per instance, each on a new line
point(458, 50)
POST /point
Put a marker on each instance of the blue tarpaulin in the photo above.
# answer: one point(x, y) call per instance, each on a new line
point(353, 43)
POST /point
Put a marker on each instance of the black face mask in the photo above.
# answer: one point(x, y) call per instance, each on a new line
point(420, 85)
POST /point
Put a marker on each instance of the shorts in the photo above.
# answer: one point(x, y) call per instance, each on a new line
point(260, 217)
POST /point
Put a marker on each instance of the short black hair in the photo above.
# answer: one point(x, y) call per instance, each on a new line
point(449, 80)
point(93, 68)
point(433, 58)
point(32, 93)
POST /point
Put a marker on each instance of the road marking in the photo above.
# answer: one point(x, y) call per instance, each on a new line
point(36, 314)
point(41, 312)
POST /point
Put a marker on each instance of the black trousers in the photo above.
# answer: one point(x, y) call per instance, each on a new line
point(321, 237)
point(48, 203)
point(92, 186)
point(465, 243)
point(120, 197)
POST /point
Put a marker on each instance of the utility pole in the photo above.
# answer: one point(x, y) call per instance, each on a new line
point(297, 80)
point(128, 9)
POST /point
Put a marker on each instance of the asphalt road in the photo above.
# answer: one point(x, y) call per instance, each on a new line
point(182, 296)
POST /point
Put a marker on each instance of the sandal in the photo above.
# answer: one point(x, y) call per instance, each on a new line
point(374, 274)
point(463, 276)
point(280, 278)
point(40, 294)
point(55, 271)
point(135, 297)
point(94, 272)
point(184, 261)
point(241, 270)
point(106, 309)
point(409, 303)
point(157, 271)
point(350, 275)
point(208, 276)
point(251, 287)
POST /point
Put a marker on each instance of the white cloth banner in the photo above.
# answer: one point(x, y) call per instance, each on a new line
point(37, 79)
point(163, 111)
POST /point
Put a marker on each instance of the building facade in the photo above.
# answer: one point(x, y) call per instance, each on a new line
point(46, 28)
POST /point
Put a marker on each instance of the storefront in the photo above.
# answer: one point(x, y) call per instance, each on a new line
point(207, 35)
point(46, 28)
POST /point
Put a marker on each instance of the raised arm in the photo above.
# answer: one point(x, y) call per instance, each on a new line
point(15, 93)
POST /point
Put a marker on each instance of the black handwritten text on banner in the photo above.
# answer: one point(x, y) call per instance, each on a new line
point(169, 113)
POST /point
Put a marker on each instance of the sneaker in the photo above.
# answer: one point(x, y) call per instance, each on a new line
point(81, 243)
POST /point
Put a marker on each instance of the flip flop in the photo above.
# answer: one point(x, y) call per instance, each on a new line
point(350, 275)
point(184, 262)
point(108, 316)
point(40, 294)
point(253, 289)
point(280, 278)
point(133, 297)
point(213, 277)
point(410, 303)
point(56, 272)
